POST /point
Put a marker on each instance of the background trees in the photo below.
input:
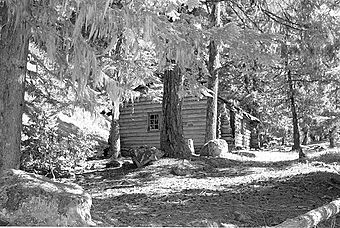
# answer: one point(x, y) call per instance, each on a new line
point(111, 47)
point(302, 72)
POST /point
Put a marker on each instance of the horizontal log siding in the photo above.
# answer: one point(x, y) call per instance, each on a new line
point(238, 129)
point(134, 119)
point(246, 135)
point(242, 131)
point(133, 122)
point(194, 120)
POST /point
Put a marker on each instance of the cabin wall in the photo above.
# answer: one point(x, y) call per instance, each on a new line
point(194, 120)
point(134, 122)
point(234, 127)
point(254, 136)
point(242, 130)
point(238, 130)
point(247, 133)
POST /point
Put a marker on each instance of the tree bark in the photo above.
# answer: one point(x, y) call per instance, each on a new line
point(332, 132)
point(296, 133)
point(114, 137)
point(305, 131)
point(213, 65)
point(171, 135)
point(14, 39)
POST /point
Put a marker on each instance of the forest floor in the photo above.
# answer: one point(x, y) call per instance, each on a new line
point(264, 190)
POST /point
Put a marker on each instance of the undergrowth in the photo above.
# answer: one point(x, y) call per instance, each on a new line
point(49, 150)
point(51, 145)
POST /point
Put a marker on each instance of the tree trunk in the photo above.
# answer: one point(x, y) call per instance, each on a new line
point(114, 138)
point(291, 96)
point(171, 135)
point(213, 65)
point(13, 64)
point(332, 132)
point(296, 133)
point(305, 131)
point(283, 139)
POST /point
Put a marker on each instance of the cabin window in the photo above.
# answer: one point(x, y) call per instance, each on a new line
point(154, 122)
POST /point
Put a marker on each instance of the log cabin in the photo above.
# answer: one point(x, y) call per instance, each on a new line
point(140, 123)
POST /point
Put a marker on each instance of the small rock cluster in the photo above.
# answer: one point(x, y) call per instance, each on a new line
point(143, 155)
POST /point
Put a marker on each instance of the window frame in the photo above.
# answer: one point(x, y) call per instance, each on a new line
point(150, 114)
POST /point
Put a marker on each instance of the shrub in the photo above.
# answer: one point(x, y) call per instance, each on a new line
point(50, 149)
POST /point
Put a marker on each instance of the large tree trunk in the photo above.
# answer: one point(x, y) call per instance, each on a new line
point(171, 135)
point(13, 64)
point(296, 132)
point(213, 65)
point(114, 138)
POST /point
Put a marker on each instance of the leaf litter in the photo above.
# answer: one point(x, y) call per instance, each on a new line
point(214, 192)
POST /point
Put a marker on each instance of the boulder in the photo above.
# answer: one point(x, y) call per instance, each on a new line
point(215, 148)
point(31, 200)
point(143, 155)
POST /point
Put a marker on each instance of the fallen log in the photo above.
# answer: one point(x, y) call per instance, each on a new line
point(313, 217)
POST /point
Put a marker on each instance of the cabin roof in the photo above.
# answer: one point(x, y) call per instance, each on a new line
point(233, 107)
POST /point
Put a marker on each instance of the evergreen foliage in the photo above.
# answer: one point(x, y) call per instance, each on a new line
point(112, 46)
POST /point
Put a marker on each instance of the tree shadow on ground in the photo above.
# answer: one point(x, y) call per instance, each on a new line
point(221, 167)
point(263, 203)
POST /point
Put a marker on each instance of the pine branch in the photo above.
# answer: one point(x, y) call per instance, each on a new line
point(256, 26)
point(283, 21)
point(237, 14)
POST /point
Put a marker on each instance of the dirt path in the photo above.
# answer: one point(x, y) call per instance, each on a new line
point(216, 192)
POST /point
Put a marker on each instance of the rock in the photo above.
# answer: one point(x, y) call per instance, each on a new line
point(242, 217)
point(183, 169)
point(31, 200)
point(143, 155)
point(215, 148)
point(113, 164)
point(127, 152)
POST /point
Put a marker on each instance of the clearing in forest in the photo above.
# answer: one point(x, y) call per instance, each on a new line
point(244, 191)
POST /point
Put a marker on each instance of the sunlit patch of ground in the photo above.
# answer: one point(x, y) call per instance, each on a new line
point(255, 191)
point(284, 153)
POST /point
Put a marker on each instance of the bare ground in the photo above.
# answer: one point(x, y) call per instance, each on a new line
point(247, 192)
